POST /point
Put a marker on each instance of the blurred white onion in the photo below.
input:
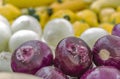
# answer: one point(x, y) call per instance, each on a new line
point(91, 35)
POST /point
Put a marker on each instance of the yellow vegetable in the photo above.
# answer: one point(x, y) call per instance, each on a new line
point(1, 2)
point(67, 14)
point(43, 18)
point(118, 8)
point(99, 4)
point(88, 16)
point(115, 18)
point(73, 5)
point(11, 21)
point(105, 14)
point(9, 11)
point(79, 27)
point(40, 13)
point(107, 26)
point(28, 3)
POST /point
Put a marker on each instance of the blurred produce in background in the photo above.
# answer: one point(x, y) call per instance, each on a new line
point(90, 13)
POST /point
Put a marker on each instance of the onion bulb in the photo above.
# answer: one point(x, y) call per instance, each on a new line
point(20, 37)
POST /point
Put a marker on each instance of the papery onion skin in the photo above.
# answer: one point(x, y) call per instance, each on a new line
point(31, 56)
point(106, 51)
point(102, 72)
point(50, 72)
point(73, 56)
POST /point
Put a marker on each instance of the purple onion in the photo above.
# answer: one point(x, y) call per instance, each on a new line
point(116, 30)
point(50, 72)
point(102, 72)
point(106, 51)
point(73, 56)
point(31, 56)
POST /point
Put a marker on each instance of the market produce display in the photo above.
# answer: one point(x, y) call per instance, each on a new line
point(59, 39)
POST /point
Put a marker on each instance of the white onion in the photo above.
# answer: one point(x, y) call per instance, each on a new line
point(5, 34)
point(5, 62)
point(56, 30)
point(3, 19)
point(26, 22)
point(20, 37)
point(91, 35)
point(9, 75)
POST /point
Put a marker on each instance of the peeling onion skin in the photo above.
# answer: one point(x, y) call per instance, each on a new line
point(73, 56)
point(31, 56)
point(106, 51)
point(102, 72)
point(50, 72)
